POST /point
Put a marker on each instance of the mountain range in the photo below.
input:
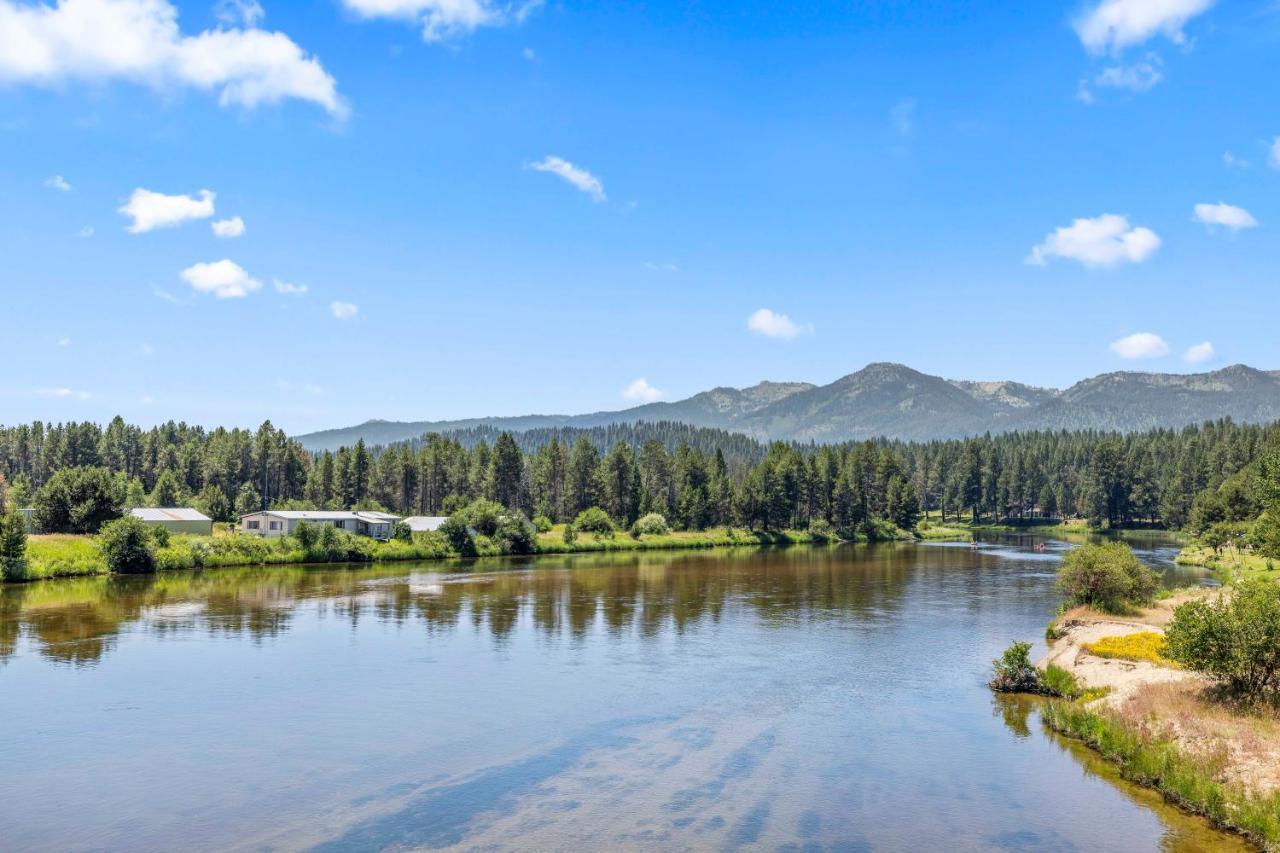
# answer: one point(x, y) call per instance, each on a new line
point(895, 401)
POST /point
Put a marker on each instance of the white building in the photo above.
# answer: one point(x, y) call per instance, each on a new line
point(283, 522)
point(425, 523)
point(175, 519)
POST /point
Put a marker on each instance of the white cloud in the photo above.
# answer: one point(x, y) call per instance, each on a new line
point(1140, 345)
point(443, 19)
point(1199, 354)
point(64, 342)
point(1273, 154)
point(1231, 161)
point(903, 116)
point(579, 178)
point(228, 228)
point(224, 279)
point(774, 325)
point(312, 389)
point(1226, 215)
point(239, 12)
point(641, 391)
point(343, 310)
point(1117, 24)
point(150, 210)
point(1103, 241)
point(139, 41)
point(653, 266)
point(161, 293)
point(529, 54)
point(57, 182)
point(63, 394)
point(289, 289)
point(1138, 77)
point(86, 231)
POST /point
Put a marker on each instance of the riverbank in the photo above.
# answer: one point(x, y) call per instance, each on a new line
point(1165, 727)
point(67, 556)
point(932, 528)
point(1231, 562)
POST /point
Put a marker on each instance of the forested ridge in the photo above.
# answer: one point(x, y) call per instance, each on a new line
point(695, 477)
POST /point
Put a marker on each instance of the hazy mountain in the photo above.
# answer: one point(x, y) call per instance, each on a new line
point(893, 400)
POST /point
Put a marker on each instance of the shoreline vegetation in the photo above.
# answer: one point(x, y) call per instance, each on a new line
point(57, 556)
point(1181, 691)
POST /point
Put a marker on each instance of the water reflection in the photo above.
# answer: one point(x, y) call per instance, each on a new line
point(792, 698)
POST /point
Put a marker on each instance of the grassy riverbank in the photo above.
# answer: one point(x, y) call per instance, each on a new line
point(1233, 563)
point(64, 556)
point(1165, 726)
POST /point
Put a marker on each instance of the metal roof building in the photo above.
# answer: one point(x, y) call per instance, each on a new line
point(175, 519)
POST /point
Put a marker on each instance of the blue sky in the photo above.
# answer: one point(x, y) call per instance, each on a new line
point(504, 209)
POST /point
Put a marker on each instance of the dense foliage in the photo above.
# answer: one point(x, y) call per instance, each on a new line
point(695, 478)
point(129, 546)
point(1013, 672)
point(1108, 576)
point(1235, 638)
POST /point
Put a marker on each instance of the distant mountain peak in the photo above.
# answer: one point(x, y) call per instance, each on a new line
point(893, 400)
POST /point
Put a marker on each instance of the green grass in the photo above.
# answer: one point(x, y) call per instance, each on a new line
point(1158, 763)
point(61, 556)
point(1232, 563)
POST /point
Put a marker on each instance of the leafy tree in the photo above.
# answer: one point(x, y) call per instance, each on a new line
point(1107, 576)
point(168, 491)
point(212, 501)
point(651, 524)
point(128, 546)
point(247, 500)
point(1235, 638)
point(541, 523)
point(13, 546)
point(134, 495)
point(77, 500)
point(594, 520)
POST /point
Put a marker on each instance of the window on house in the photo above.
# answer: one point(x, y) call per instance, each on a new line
point(275, 525)
point(253, 525)
point(340, 524)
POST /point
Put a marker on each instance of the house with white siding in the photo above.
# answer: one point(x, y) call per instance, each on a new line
point(284, 522)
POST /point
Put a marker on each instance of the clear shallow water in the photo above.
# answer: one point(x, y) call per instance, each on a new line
point(796, 699)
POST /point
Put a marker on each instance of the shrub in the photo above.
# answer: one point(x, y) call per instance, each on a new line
point(1107, 576)
point(820, 530)
point(401, 532)
point(594, 520)
point(1014, 672)
point(1235, 639)
point(13, 547)
point(652, 524)
point(128, 546)
point(1056, 681)
point(542, 524)
point(458, 535)
point(504, 531)
point(570, 534)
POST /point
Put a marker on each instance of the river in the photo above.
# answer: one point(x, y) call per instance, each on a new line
point(783, 699)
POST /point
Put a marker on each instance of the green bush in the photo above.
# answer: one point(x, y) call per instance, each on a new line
point(1013, 672)
point(401, 532)
point(1235, 639)
point(542, 524)
point(1107, 576)
point(820, 530)
point(128, 546)
point(594, 520)
point(651, 524)
point(78, 500)
point(570, 534)
point(458, 534)
point(1056, 681)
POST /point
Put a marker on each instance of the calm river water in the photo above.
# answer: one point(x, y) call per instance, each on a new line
point(789, 699)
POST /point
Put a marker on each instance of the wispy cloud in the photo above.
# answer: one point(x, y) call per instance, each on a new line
point(1273, 153)
point(902, 116)
point(288, 288)
point(577, 177)
point(771, 324)
point(1140, 345)
point(57, 182)
point(1224, 215)
point(444, 19)
point(343, 310)
point(1231, 161)
point(1102, 241)
point(62, 394)
point(653, 266)
point(642, 392)
point(1200, 353)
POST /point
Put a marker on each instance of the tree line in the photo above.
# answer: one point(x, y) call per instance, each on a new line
point(696, 478)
